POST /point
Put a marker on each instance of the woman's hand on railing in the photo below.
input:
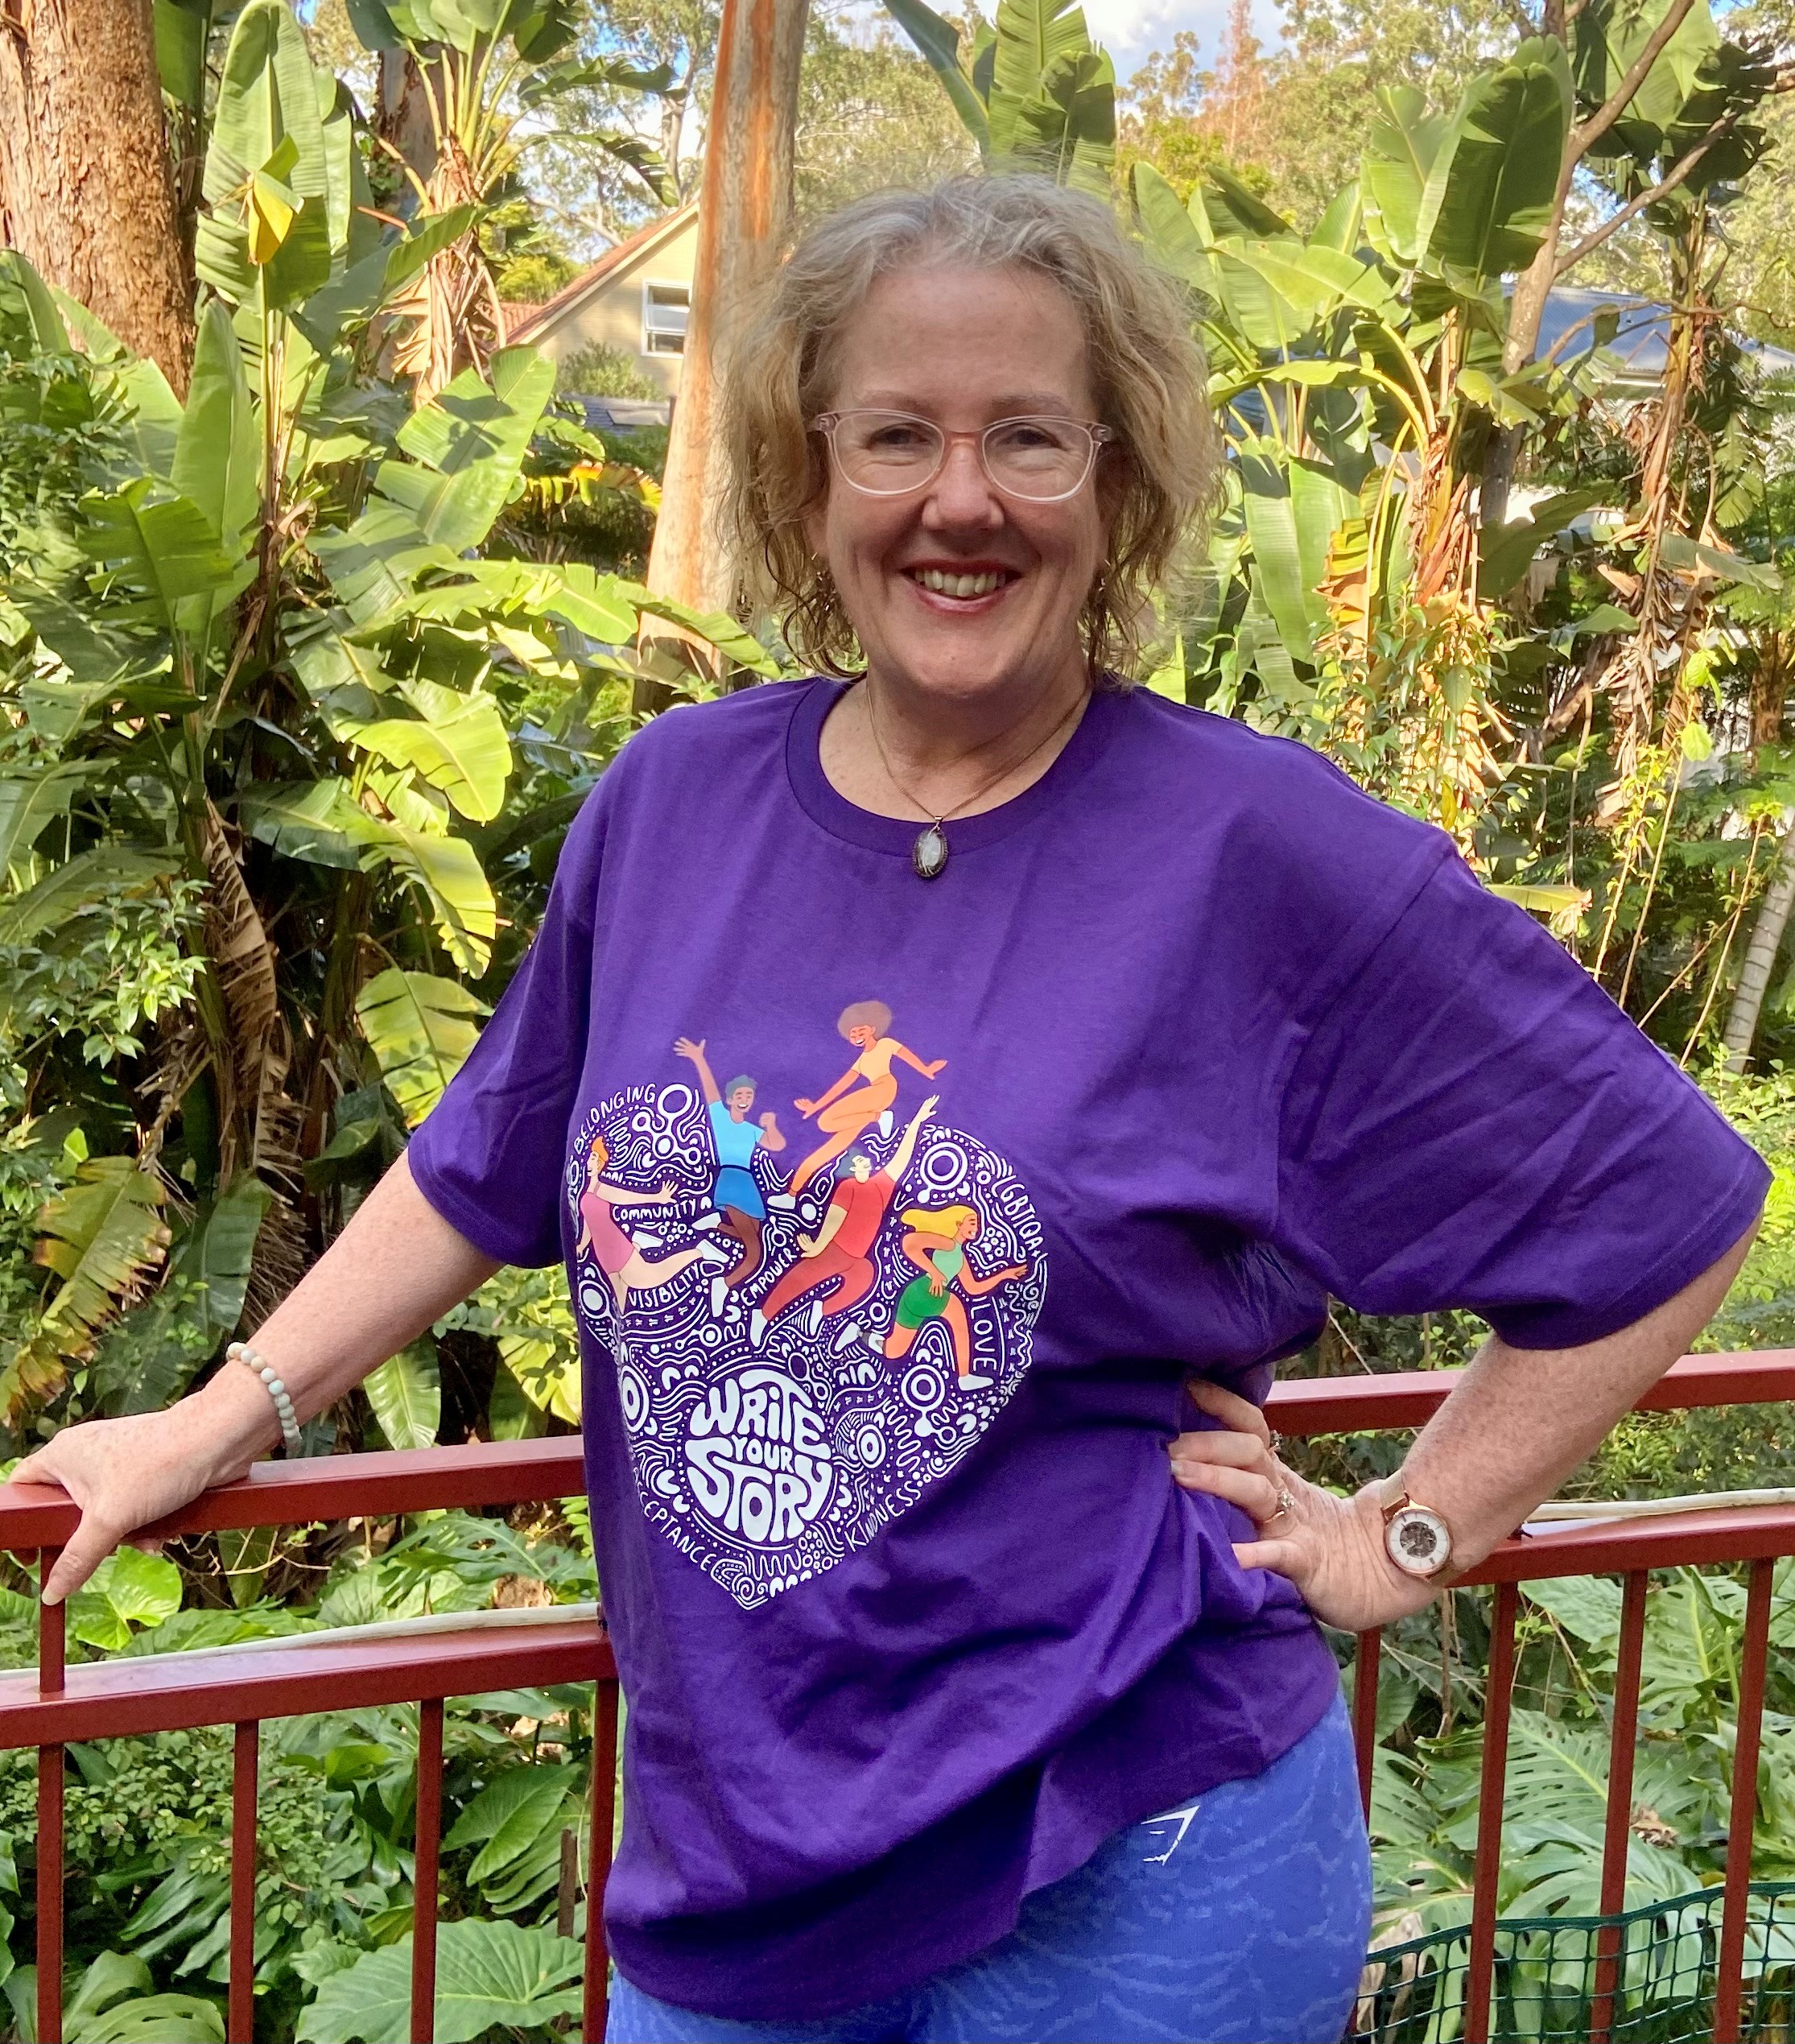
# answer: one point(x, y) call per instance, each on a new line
point(128, 1474)
point(1331, 1548)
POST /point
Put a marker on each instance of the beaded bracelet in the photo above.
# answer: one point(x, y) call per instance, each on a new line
point(239, 1352)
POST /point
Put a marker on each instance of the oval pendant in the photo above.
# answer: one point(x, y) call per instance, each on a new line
point(928, 854)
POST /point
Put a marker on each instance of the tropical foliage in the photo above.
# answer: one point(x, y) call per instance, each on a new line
point(277, 733)
point(304, 676)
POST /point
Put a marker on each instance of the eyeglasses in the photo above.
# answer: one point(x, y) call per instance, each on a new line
point(889, 453)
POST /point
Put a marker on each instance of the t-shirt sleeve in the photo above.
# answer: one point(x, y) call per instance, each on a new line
point(1472, 1122)
point(490, 1156)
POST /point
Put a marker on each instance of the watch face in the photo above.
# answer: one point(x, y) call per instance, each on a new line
point(1417, 1540)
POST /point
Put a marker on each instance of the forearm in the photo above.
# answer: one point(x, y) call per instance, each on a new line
point(1521, 1420)
point(398, 1266)
point(395, 1269)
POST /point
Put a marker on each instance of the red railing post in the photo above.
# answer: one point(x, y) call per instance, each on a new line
point(1364, 1709)
point(1480, 1971)
point(595, 1994)
point(52, 1620)
point(245, 1753)
point(1623, 1740)
point(1729, 1987)
point(424, 1871)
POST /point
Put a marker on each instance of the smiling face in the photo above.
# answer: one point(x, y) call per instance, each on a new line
point(740, 1099)
point(956, 590)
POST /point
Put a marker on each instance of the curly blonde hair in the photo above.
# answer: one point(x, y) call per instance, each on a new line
point(1146, 370)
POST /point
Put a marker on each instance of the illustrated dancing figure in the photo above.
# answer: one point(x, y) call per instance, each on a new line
point(740, 1212)
point(615, 1255)
point(840, 1252)
point(847, 1110)
point(936, 1245)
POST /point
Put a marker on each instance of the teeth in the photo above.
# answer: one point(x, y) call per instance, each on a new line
point(958, 585)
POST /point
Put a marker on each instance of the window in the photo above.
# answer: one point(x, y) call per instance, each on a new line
point(665, 309)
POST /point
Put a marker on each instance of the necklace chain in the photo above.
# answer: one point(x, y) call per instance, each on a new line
point(985, 787)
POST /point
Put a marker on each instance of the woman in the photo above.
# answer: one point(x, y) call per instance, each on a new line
point(1228, 1036)
point(626, 1266)
point(842, 1113)
point(936, 1245)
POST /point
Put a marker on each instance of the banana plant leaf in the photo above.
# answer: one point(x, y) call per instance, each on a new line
point(1490, 188)
point(48, 335)
point(406, 1394)
point(67, 888)
point(1171, 234)
point(318, 821)
point(101, 1236)
point(267, 96)
point(1066, 129)
point(1609, 36)
point(29, 804)
point(938, 41)
point(420, 1029)
point(183, 28)
point(161, 549)
point(1235, 209)
point(1508, 551)
point(1031, 36)
point(1277, 559)
point(1399, 149)
point(466, 447)
point(456, 743)
point(219, 1249)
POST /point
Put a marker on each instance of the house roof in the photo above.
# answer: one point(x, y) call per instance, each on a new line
point(1642, 338)
point(552, 310)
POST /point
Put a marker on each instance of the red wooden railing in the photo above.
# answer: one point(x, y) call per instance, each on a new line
point(58, 1704)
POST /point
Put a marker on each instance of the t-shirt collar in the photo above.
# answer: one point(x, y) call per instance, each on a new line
point(896, 835)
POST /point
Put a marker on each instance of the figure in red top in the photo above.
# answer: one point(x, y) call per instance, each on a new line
point(841, 1250)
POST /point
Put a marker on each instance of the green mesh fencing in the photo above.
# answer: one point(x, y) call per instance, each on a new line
point(1545, 1976)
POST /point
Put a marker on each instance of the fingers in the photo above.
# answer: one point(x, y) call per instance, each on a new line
point(1229, 1407)
point(91, 1541)
point(1282, 1557)
point(1241, 1451)
point(35, 1468)
point(1256, 1493)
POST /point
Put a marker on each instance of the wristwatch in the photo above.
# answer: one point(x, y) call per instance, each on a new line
point(1415, 1537)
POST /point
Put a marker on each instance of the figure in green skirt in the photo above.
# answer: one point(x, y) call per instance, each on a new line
point(936, 1242)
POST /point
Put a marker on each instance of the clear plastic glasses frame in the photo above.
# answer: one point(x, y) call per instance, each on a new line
point(829, 423)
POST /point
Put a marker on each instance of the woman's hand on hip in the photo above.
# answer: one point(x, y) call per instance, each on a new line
point(1331, 1548)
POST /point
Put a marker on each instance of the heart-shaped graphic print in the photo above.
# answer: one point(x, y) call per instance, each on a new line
point(778, 1421)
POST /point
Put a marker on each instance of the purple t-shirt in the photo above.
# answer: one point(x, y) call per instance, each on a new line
point(908, 1611)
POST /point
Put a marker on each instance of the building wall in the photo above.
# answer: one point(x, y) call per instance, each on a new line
point(612, 313)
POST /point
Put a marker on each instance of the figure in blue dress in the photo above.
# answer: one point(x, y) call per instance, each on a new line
point(740, 1211)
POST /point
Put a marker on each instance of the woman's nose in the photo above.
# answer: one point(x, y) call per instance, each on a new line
point(963, 493)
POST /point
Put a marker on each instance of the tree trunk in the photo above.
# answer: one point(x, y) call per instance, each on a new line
point(1526, 311)
point(403, 116)
point(743, 209)
point(1769, 691)
point(86, 189)
point(1760, 957)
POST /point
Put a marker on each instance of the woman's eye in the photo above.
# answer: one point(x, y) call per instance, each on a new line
point(1029, 434)
point(895, 439)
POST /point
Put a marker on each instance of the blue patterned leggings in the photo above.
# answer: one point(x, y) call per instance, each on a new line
point(1239, 1918)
